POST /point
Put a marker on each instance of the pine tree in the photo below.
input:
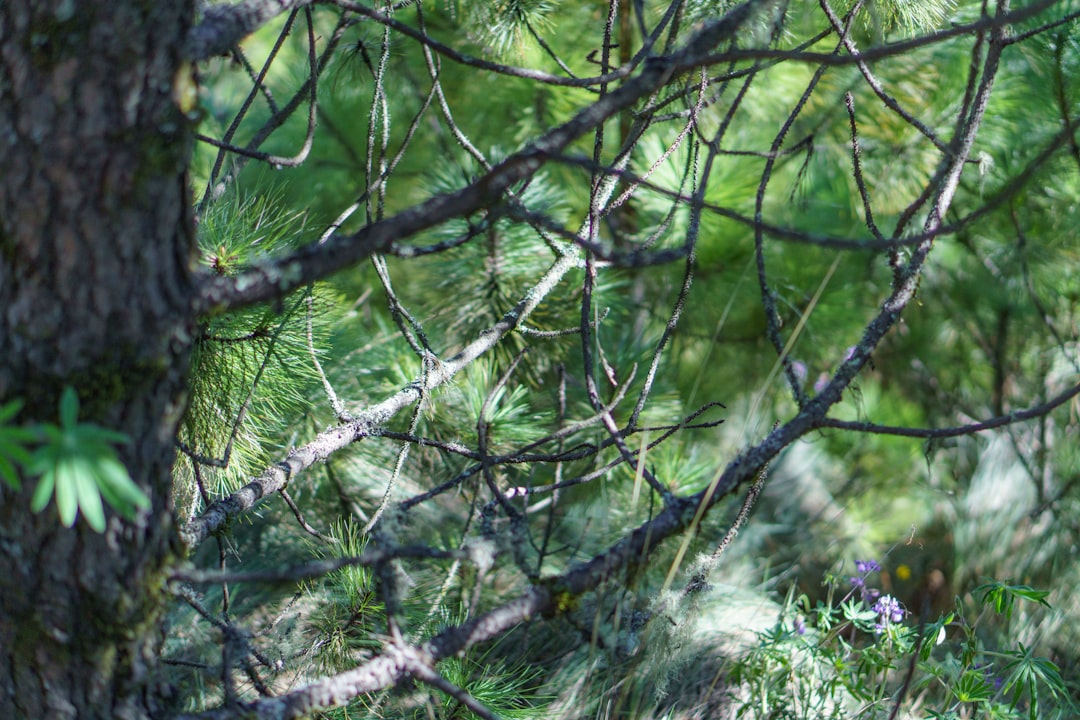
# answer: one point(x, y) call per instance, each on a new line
point(424, 359)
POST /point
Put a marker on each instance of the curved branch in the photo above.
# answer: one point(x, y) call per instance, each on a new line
point(479, 63)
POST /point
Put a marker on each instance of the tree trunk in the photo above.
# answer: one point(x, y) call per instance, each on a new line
point(96, 244)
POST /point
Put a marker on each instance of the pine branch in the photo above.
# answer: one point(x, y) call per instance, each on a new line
point(396, 663)
point(681, 515)
point(276, 277)
point(366, 423)
point(312, 569)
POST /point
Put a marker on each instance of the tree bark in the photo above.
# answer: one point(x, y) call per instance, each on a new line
point(96, 249)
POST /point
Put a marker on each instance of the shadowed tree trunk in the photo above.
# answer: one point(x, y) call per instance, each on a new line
point(96, 244)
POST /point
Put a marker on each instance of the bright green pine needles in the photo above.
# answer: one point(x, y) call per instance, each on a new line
point(251, 368)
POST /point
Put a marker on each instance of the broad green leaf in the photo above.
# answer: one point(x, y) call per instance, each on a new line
point(972, 687)
point(111, 472)
point(118, 489)
point(53, 435)
point(43, 491)
point(67, 497)
point(1027, 672)
point(90, 497)
point(77, 465)
point(87, 434)
point(69, 408)
point(13, 443)
point(1002, 596)
point(854, 611)
point(91, 508)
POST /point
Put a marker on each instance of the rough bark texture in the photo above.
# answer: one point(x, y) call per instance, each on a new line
point(95, 287)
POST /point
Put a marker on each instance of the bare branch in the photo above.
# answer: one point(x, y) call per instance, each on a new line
point(313, 569)
point(969, 429)
point(479, 63)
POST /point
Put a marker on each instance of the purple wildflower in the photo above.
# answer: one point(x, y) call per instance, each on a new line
point(800, 625)
point(991, 678)
point(889, 611)
point(866, 566)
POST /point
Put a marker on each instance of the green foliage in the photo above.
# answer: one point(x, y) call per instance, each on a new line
point(350, 611)
point(991, 331)
point(506, 25)
point(1002, 597)
point(910, 16)
point(236, 231)
point(1027, 674)
point(834, 663)
point(77, 464)
point(251, 368)
point(508, 692)
point(972, 687)
point(14, 444)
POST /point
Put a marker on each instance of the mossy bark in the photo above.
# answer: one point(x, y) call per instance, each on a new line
point(96, 243)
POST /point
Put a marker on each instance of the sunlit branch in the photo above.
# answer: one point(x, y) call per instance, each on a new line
point(1070, 17)
point(634, 258)
point(561, 455)
point(768, 296)
point(215, 186)
point(426, 674)
point(301, 521)
point(857, 173)
point(690, 245)
point(906, 279)
point(377, 185)
point(479, 63)
point(257, 87)
point(998, 24)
